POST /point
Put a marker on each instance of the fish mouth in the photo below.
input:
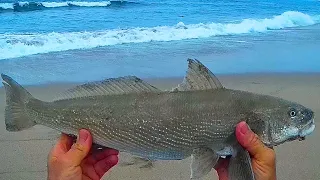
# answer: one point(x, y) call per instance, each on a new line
point(306, 130)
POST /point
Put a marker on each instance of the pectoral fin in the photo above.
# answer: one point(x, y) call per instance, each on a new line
point(240, 166)
point(202, 161)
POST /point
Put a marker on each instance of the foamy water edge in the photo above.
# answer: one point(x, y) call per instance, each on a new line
point(18, 45)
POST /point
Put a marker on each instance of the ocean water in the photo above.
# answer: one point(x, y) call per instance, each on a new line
point(77, 41)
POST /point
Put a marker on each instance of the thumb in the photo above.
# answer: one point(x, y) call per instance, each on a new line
point(249, 140)
point(81, 148)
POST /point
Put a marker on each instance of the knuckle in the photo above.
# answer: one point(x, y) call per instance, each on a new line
point(57, 161)
point(79, 147)
point(253, 140)
point(254, 145)
point(53, 160)
point(65, 161)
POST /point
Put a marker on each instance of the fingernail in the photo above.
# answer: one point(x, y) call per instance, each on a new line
point(244, 128)
point(83, 136)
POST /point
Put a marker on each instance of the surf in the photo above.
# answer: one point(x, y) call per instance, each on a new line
point(33, 6)
point(18, 45)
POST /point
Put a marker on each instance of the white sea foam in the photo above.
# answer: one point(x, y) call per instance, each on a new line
point(17, 45)
point(54, 4)
point(58, 4)
point(76, 3)
point(6, 6)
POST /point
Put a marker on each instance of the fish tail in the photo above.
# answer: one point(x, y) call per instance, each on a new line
point(16, 118)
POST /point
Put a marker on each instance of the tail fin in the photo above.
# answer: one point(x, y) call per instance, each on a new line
point(16, 118)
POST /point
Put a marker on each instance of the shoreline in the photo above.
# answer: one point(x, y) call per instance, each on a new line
point(178, 79)
point(24, 153)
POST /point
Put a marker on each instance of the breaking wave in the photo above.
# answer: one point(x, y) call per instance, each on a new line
point(32, 6)
point(17, 45)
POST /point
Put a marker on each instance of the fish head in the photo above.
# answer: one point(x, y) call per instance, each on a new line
point(290, 121)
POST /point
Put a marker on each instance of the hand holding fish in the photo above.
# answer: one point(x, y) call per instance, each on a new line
point(68, 161)
point(263, 158)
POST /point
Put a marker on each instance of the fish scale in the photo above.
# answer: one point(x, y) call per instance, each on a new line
point(196, 119)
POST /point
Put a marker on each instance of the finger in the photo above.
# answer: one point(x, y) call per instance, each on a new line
point(104, 165)
point(62, 146)
point(249, 140)
point(95, 157)
point(89, 172)
point(88, 178)
point(222, 168)
point(81, 148)
point(222, 163)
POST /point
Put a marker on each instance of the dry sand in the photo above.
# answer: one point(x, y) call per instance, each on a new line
point(23, 154)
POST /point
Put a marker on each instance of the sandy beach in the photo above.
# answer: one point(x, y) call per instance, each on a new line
point(23, 154)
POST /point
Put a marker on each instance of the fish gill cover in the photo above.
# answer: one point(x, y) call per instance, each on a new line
point(18, 45)
point(32, 6)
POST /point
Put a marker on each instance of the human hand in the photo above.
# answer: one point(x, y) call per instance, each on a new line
point(68, 161)
point(262, 157)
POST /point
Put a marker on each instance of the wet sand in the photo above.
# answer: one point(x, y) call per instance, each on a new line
point(23, 154)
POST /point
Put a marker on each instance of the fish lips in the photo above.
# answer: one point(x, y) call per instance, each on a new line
point(307, 130)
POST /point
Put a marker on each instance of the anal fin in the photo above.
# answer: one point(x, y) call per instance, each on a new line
point(138, 161)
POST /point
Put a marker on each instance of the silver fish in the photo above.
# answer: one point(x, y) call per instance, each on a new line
point(196, 119)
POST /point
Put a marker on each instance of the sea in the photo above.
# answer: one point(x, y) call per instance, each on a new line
point(78, 41)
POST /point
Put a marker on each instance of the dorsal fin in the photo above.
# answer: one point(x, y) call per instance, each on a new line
point(198, 77)
point(112, 86)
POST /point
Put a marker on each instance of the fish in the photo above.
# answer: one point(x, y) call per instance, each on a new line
point(196, 119)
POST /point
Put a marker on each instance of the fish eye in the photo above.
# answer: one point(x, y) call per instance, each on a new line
point(292, 113)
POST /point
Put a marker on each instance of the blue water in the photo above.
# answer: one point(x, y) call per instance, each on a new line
point(54, 41)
